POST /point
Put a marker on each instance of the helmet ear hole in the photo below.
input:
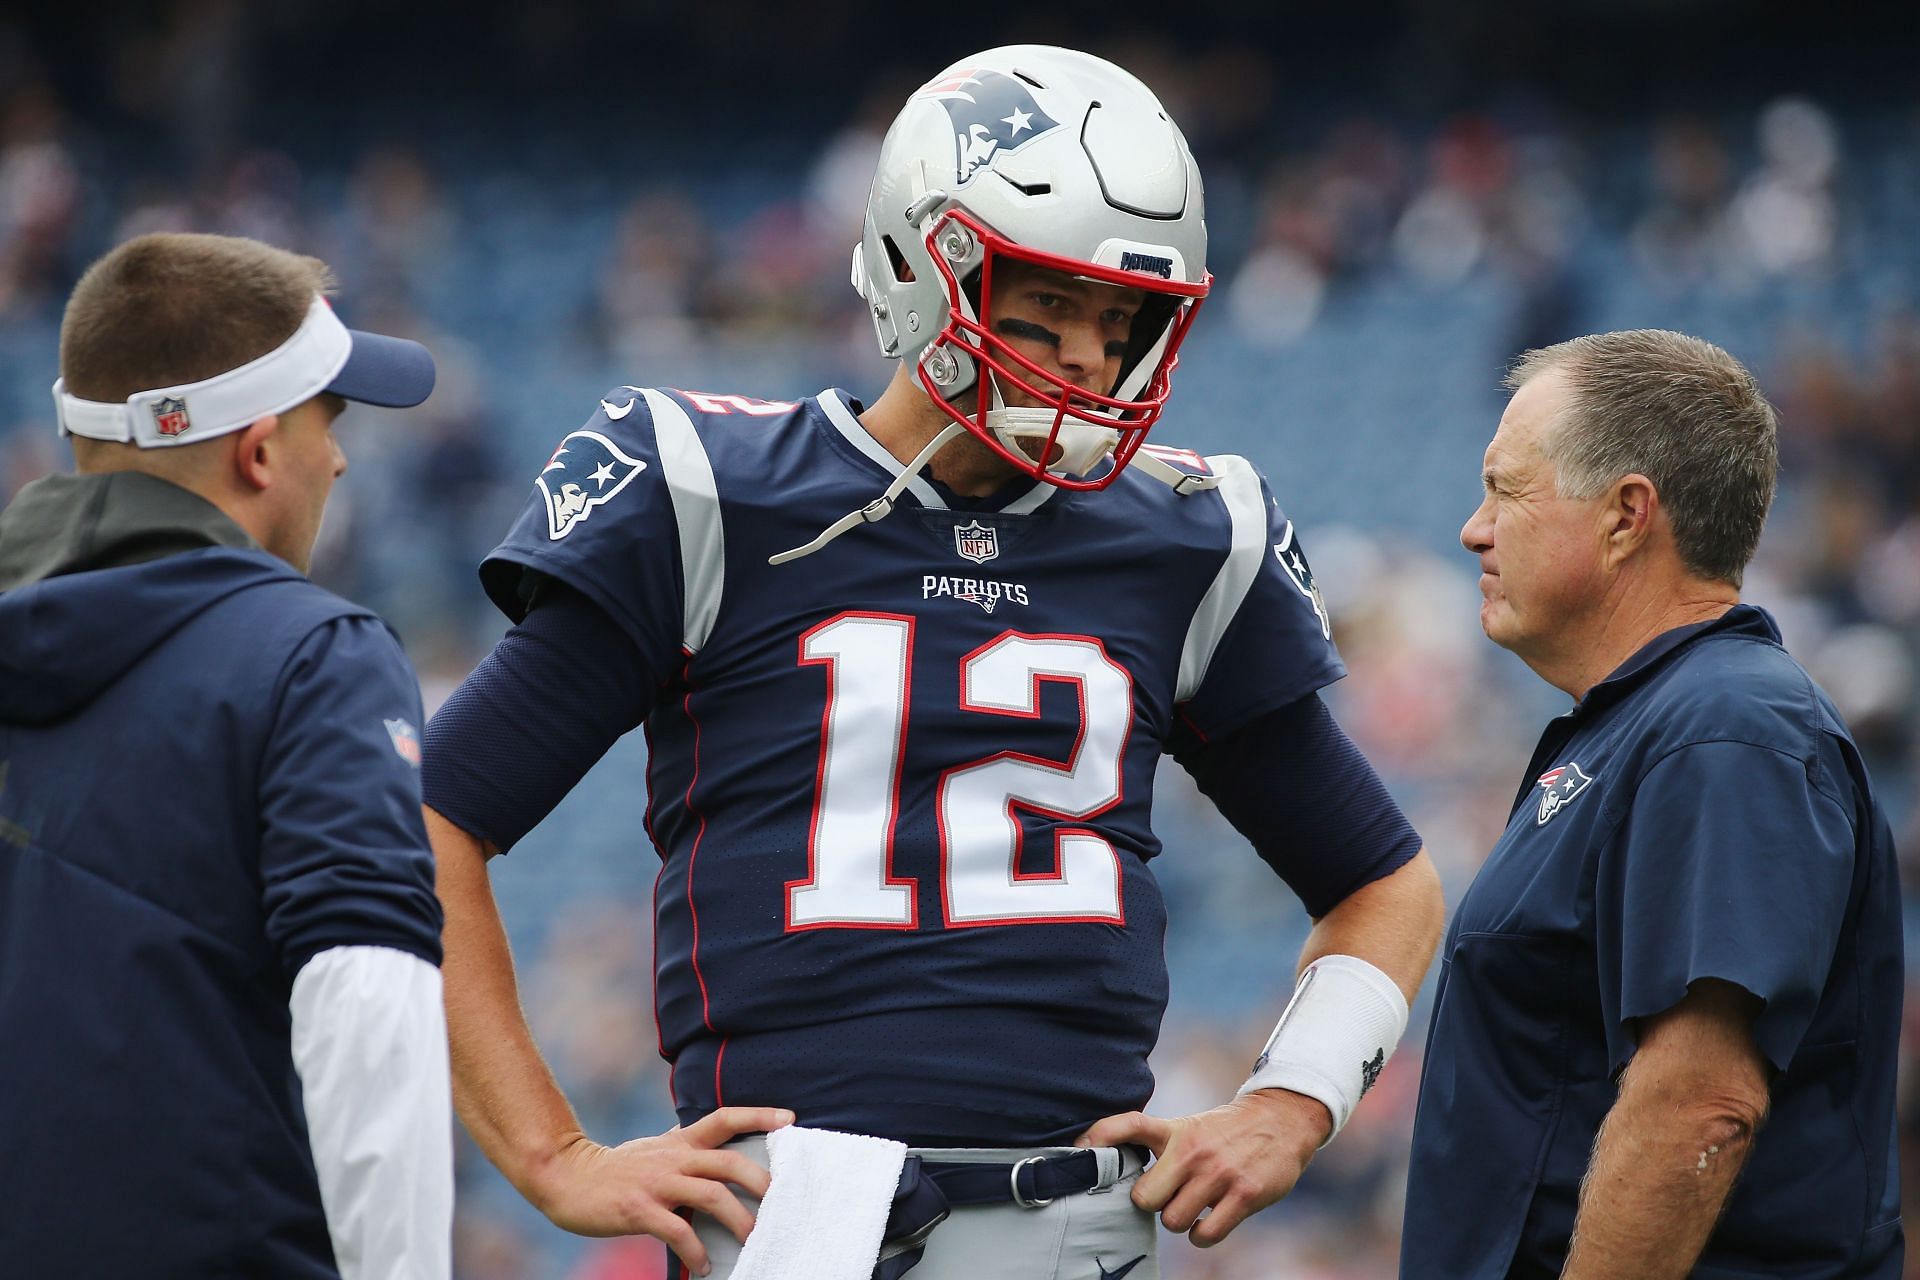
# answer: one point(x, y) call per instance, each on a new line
point(902, 271)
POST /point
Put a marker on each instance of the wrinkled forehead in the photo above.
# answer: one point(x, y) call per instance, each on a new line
point(1528, 423)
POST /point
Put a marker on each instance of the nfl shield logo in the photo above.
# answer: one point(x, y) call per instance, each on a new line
point(976, 542)
point(406, 742)
point(170, 415)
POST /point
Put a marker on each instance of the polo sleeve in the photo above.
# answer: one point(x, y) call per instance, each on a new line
point(1731, 863)
point(344, 859)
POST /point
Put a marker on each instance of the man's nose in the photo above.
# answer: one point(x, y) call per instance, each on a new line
point(1476, 535)
point(1083, 350)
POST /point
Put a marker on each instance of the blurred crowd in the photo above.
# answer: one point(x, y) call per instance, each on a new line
point(1783, 229)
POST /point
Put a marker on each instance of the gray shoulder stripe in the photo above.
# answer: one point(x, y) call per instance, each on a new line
point(696, 510)
point(1240, 490)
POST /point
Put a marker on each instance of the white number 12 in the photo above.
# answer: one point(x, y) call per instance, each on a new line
point(850, 885)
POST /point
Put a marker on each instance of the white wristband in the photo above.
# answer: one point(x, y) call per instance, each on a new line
point(1343, 1023)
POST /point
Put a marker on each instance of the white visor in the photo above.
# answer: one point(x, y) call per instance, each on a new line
point(292, 373)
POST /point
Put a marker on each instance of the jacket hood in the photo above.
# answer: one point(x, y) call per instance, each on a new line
point(95, 571)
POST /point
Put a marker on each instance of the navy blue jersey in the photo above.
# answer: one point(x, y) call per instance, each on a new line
point(1701, 814)
point(901, 787)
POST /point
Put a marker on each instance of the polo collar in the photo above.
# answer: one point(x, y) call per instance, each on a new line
point(1742, 619)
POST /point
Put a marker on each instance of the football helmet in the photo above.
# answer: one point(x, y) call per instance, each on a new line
point(1051, 157)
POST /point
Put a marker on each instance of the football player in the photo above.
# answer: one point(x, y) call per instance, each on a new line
point(906, 671)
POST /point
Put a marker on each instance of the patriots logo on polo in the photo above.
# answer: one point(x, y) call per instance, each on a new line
point(1558, 787)
point(170, 415)
point(585, 471)
point(1294, 561)
point(976, 542)
point(991, 113)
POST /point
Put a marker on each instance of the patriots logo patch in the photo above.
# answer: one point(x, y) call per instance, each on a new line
point(1294, 561)
point(1558, 787)
point(585, 471)
point(991, 113)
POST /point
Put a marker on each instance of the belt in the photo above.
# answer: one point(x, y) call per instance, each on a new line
point(1029, 1183)
point(930, 1189)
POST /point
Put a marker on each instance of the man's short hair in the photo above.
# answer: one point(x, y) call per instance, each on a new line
point(1679, 411)
point(170, 308)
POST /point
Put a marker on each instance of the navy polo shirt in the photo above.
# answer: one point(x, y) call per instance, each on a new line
point(1702, 813)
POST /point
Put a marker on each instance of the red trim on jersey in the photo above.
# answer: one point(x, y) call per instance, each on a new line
point(1014, 805)
point(1198, 732)
point(686, 707)
point(659, 1025)
point(909, 883)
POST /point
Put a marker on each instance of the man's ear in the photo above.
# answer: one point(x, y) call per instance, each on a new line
point(1627, 520)
point(255, 452)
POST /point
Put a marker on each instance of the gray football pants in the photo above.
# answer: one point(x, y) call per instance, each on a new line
point(1080, 1237)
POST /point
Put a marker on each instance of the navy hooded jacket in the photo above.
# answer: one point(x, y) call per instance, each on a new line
point(208, 775)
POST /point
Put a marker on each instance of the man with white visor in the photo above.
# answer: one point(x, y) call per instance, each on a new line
point(219, 942)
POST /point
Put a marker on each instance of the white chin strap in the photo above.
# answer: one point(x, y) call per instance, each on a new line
point(1081, 444)
point(292, 373)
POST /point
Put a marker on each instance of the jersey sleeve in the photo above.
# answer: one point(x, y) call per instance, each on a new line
point(1308, 802)
point(1731, 864)
point(538, 712)
point(601, 519)
point(344, 858)
point(1261, 637)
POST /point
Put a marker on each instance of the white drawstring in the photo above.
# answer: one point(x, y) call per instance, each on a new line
point(880, 508)
point(1181, 482)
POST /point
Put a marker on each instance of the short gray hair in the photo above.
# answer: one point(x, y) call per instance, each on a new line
point(1679, 411)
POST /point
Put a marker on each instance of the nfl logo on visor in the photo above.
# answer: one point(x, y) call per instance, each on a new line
point(170, 415)
point(976, 542)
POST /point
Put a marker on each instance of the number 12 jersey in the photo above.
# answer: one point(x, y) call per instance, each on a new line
point(900, 788)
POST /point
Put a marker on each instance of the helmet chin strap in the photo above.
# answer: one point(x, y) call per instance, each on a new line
point(1081, 444)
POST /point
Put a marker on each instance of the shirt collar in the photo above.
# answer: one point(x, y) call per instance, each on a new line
point(1742, 619)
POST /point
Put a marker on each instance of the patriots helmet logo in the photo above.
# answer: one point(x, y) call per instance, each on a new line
point(991, 112)
point(586, 470)
point(1558, 786)
point(1294, 561)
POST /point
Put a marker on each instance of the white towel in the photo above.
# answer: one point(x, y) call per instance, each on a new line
point(826, 1207)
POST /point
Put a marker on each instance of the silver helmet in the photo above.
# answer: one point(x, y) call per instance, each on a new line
point(1055, 158)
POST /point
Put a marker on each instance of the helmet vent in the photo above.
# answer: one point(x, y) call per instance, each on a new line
point(1026, 188)
point(901, 271)
point(1029, 79)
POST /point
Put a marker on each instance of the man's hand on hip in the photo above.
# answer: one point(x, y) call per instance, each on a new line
point(640, 1187)
point(1234, 1160)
